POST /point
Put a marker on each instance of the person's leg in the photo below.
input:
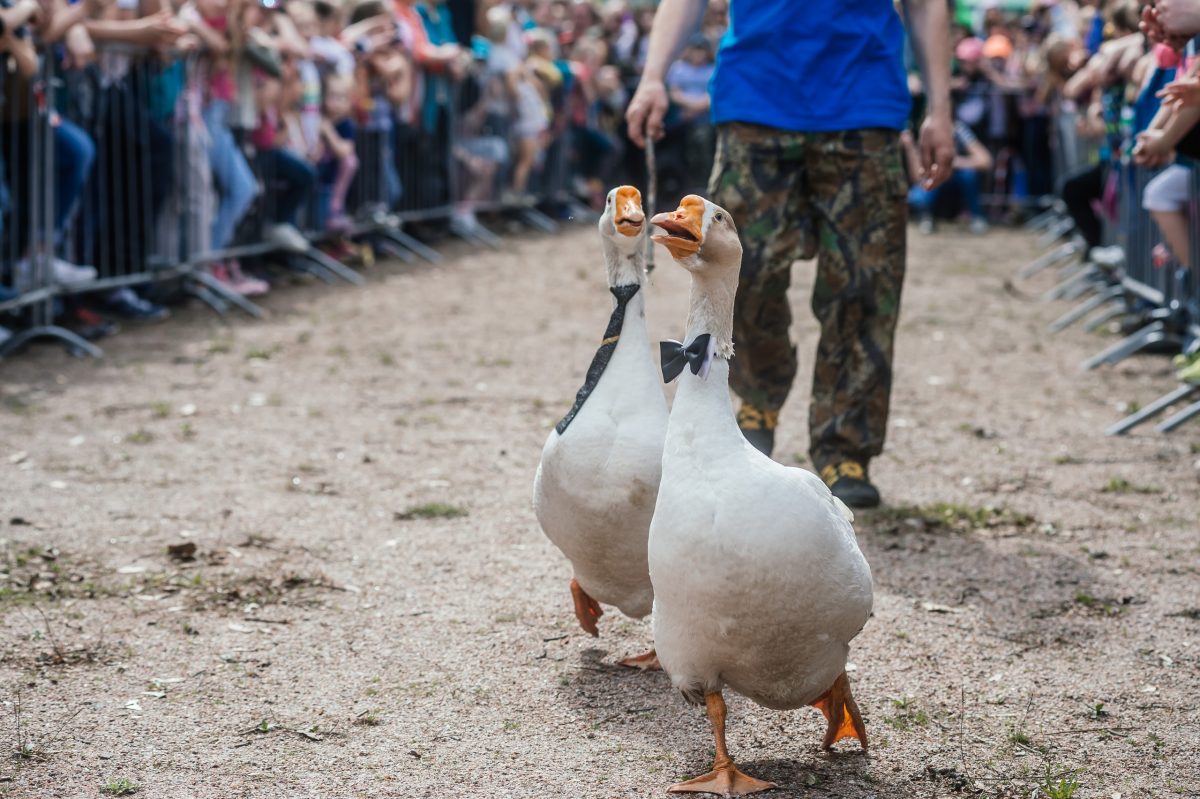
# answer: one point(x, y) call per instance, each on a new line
point(967, 181)
point(232, 175)
point(1166, 197)
point(346, 169)
point(1078, 193)
point(294, 179)
point(526, 154)
point(74, 154)
point(858, 194)
point(758, 178)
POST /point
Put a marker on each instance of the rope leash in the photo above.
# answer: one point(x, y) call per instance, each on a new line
point(651, 199)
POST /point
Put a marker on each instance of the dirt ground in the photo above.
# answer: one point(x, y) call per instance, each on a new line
point(370, 609)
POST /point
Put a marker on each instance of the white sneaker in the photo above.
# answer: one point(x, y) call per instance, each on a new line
point(978, 226)
point(62, 273)
point(463, 222)
point(1110, 257)
point(66, 272)
point(286, 237)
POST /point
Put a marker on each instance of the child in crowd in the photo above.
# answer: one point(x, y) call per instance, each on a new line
point(338, 162)
point(231, 173)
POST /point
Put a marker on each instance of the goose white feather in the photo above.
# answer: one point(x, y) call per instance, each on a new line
point(759, 584)
point(596, 484)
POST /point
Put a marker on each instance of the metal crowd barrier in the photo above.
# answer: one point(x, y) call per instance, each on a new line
point(1158, 305)
point(134, 129)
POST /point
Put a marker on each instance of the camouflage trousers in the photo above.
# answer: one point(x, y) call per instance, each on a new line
point(840, 197)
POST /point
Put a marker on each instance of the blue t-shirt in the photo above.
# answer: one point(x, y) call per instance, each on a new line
point(817, 65)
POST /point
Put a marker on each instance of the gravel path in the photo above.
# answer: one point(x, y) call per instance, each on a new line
point(1037, 598)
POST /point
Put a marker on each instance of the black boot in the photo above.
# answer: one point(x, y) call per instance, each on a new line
point(848, 482)
point(758, 426)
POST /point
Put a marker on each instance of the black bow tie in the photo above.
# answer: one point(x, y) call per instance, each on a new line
point(675, 356)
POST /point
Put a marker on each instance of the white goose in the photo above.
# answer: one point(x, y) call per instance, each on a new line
point(759, 584)
point(598, 478)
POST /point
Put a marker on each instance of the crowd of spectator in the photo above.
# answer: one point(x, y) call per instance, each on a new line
point(1045, 98)
point(1078, 99)
point(181, 128)
point(185, 127)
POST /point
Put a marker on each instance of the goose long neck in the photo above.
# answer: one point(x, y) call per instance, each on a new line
point(711, 309)
point(624, 267)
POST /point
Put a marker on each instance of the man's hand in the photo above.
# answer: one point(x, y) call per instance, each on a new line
point(1181, 93)
point(646, 111)
point(937, 150)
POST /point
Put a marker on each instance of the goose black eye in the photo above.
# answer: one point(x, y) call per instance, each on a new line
point(719, 217)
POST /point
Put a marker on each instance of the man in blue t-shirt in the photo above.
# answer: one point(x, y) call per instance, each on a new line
point(810, 98)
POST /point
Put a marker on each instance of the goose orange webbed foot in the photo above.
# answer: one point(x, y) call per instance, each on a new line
point(725, 779)
point(841, 712)
point(587, 610)
point(646, 662)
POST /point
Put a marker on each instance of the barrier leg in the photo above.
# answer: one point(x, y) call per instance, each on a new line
point(1083, 278)
point(1072, 316)
point(1056, 232)
point(1151, 410)
point(1045, 261)
point(1175, 421)
point(389, 246)
point(1044, 220)
point(1116, 312)
point(75, 344)
point(1152, 333)
point(537, 220)
point(332, 266)
point(206, 288)
point(417, 246)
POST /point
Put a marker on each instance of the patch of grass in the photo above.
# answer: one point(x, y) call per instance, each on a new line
point(1059, 786)
point(511, 724)
point(1097, 605)
point(261, 353)
point(368, 718)
point(140, 436)
point(120, 787)
point(430, 510)
point(220, 347)
point(161, 409)
point(908, 715)
point(1066, 460)
point(1119, 485)
point(1020, 739)
point(1195, 447)
point(799, 459)
point(387, 359)
point(948, 515)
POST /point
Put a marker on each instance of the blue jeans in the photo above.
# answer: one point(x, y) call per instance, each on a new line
point(74, 154)
point(231, 173)
point(964, 181)
point(289, 180)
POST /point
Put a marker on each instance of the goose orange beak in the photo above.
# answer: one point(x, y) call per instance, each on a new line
point(683, 228)
point(630, 216)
